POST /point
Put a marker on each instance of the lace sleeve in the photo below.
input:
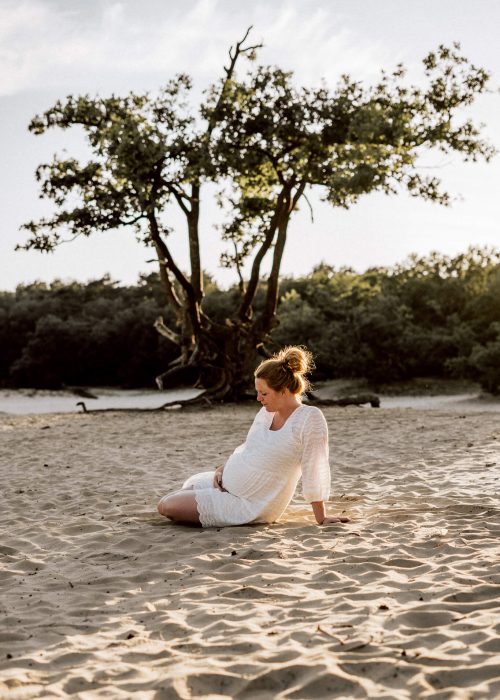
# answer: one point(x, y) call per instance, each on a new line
point(315, 458)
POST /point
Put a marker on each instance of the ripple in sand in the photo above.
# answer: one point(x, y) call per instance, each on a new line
point(328, 685)
point(252, 593)
point(277, 680)
point(219, 684)
point(422, 507)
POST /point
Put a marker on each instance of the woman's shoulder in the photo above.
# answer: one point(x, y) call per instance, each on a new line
point(311, 411)
point(313, 416)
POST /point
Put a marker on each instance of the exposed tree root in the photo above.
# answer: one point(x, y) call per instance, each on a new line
point(201, 400)
point(178, 376)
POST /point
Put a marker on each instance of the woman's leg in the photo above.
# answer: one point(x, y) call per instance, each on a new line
point(202, 480)
point(180, 506)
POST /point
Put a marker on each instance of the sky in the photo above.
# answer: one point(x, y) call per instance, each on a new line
point(52, 48)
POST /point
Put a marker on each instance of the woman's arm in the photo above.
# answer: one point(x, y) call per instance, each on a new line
point(321, 517)
point(319, 511)
point(316, 467)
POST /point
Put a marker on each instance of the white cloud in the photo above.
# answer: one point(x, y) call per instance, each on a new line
point(45, 46)
point(49, 48)
point(15, 17)
point(324, 47)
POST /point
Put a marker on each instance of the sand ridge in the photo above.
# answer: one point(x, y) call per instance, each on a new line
point(101, 597)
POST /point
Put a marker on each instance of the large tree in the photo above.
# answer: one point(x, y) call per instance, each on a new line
point(265, 143)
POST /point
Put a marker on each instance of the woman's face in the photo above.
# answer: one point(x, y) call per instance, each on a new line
point(268, 397)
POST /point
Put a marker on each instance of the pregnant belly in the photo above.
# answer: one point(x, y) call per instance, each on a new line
point(247, 482)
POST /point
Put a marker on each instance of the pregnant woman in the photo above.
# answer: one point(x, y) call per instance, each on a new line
point(286, 441)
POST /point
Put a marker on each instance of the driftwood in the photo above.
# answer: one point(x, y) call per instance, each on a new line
point(204, 400)
point(356, 400)
point(200, 400)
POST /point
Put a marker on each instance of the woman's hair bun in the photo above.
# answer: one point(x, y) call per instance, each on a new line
point(296, 358)
point(286, 369)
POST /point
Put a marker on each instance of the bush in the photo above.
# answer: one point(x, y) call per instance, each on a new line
point(484, 364)
point(431, 316)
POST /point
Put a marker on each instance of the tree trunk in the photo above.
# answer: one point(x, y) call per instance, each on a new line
point(223, 362)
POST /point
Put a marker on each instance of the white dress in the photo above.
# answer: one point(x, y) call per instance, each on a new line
point(261, 475)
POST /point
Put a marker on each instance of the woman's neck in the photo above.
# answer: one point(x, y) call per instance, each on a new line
point(288, 408)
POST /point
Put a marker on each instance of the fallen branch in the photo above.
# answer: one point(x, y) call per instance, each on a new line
point(209, 398)
point(356, 400)
point(201, 400)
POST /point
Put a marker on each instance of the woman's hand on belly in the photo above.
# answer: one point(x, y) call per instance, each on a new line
point(218, 479)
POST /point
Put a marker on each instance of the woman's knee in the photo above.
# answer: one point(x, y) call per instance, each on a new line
point(179, 506)
point(163, 506)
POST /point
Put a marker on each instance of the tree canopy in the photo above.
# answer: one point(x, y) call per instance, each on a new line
point(264, 142)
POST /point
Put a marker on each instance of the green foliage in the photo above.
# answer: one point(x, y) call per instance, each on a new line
point(484, 363)
point(94, 334)
point(272, 136)
point(430, 316)
point(138, 144)
point(263, 142)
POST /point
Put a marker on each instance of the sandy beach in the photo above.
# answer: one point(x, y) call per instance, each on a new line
point(103, 598)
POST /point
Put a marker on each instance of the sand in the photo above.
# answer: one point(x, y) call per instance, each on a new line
point(103, 598)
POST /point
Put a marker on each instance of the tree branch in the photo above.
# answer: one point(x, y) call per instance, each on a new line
point(166, 332)
point(194, 243)
point(133, 221)
point(273, 282)
point(310, 208)
point(266, 244)
point(241, 283)
point(179, 275)
point(178, 196)
point(234, 54)
point(167, 283)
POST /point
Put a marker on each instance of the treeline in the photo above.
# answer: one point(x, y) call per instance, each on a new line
point(98, 334)
point(431, 316)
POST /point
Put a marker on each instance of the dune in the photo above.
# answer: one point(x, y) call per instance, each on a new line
point(103, 598)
